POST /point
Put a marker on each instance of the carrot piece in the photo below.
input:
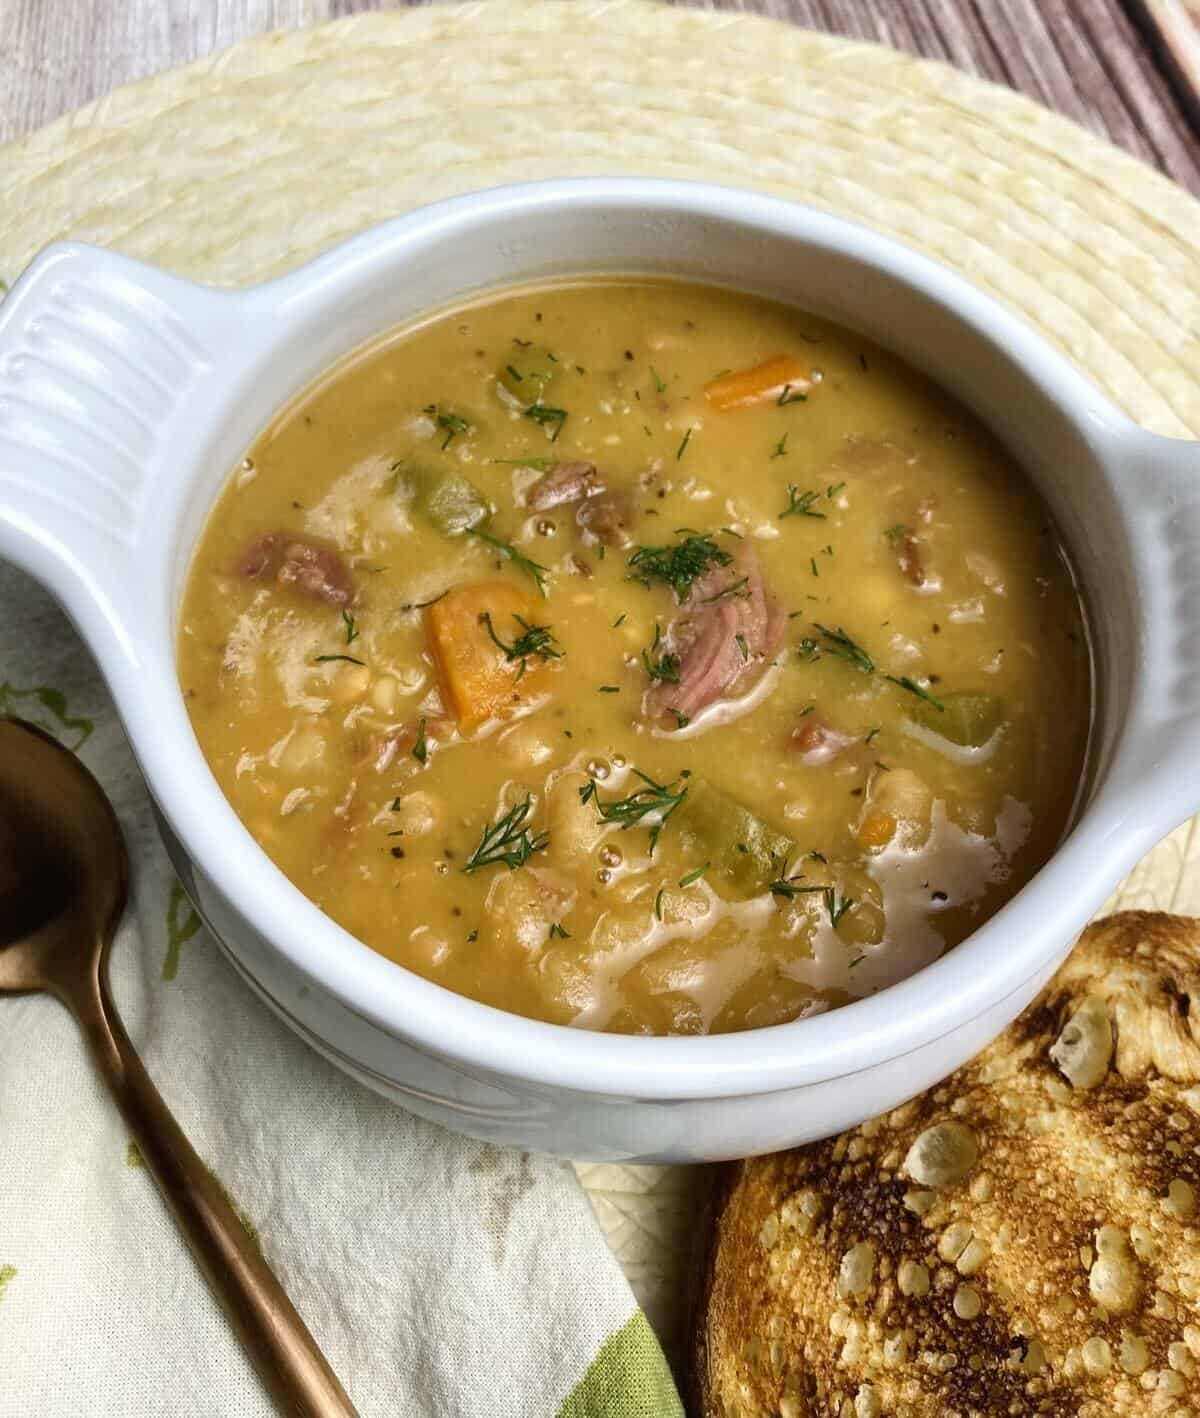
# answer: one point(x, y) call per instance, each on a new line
point(764, 383)
point(477, 680)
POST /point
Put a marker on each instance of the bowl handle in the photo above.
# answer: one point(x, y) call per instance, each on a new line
point(1156, 777)
point(99, 358)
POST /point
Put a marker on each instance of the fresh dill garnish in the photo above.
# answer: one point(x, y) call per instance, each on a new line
point(681, 720)
point(507, 841)
point(800, 504)
point(812, 561)
point(789, 395)
point(693, 876)
point(516, 374)
point(619, 620)
point(871, 735)
point(655, 800)
point(658, 900)
point(780, 448)
point(808, 649)
point(474, 936)
point(557, 931)
point(541, 464)
point(742, 646)
point(678, 566)
point(837, 909)
point(423, 605)
point(736, 590)
point(895, 533)
point(729, 532)
point(858, 960)
point(450, 424)
point(420, 749)
point(832, 492)
point(546, 416)
point(682, 449)
point(818, 857)
point(808, 709)
point(351, 627)
point(518, 559)
point(920, 691)
point(325, 659)
point(659, 385)
point(789, 887)
point(609, 689)
point(839, 644)
point(786, 887)
point(534, 640)
point(666, 666)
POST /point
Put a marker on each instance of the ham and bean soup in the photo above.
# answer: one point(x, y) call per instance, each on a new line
point(640, 656)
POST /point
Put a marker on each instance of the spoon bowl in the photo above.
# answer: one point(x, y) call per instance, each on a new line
point(64, 879)
point(64, 871)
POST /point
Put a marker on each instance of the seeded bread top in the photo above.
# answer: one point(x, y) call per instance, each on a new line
point(1023, 1239)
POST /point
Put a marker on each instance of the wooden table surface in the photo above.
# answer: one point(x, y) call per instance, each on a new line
point(1104, 63)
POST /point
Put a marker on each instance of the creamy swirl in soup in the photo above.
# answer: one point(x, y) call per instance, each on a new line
point(639, 656)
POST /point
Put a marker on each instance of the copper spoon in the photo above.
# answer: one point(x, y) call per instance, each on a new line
point(63, 882)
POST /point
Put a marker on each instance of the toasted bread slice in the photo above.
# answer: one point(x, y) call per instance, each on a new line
point(1022, 1240)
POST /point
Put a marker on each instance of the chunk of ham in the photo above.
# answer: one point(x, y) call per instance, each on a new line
point(817, 741)
point(909, 557)
point(563, 483)
point(607, 520)
point(732, 627)
point(381, 748)
point(313, 569)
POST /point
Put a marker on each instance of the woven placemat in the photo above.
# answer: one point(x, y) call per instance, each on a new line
point(249, 162)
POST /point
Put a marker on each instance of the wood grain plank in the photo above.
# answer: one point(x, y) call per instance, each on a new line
point(1172, 28)
point(56, 55)
point(1085, 58)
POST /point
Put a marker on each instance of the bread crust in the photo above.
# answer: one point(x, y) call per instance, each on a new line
point(1023, 1239)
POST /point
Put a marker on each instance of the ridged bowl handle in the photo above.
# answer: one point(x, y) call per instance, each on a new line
point(100, 357)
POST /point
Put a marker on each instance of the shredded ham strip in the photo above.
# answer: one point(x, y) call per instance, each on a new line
point(727, 603)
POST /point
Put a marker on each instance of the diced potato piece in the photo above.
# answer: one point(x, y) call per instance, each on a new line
point(968, 720)
point(520, 908)
point(763, 384)
point(476, 679)
point(898, 801)
point(768, 997)
point(743, 850)
point(678, 908)
point(575, 827)
point(864, 922)
point(528, 373)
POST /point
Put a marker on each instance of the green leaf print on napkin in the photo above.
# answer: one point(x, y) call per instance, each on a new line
point(7, 1273)
point(182, 925)
point(47, 708)
point(628, 1378)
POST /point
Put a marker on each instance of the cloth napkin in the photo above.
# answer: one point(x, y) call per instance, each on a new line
point(441, 1276)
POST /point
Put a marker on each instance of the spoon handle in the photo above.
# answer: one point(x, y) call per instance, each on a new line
point(278, 1342)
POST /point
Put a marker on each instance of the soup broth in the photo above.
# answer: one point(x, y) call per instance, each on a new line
point(639, 656)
